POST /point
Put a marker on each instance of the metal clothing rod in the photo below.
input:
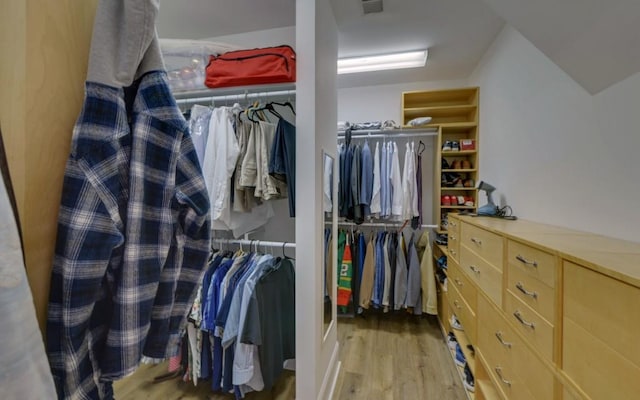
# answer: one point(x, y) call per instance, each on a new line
point(235, 97)
point(255, 242)
point(381, 224)
point(389, 134)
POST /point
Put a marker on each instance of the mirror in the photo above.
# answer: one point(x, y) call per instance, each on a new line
point(328, 254)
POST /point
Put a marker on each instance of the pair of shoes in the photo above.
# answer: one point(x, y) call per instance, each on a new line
point(460, 360)
point(451, 145)
point(455, 324)
point(442, 278)
point(456, 164)
point(442, 239)
point(452, 342)
point(442, 262)
point(469, 382)
point(456, 200)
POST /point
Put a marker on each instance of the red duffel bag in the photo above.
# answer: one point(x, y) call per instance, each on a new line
point(252, 67)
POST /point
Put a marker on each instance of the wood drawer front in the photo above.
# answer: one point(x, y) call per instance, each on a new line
point(465, 315)
point(606, 308)
point(453, 238)
point(601, 372)
point(537, 295)
point(501, 346)
point(536, 263)
point(532, 326)
point(492, 328)
point(486, 277)
point(463, 284)
point(486, 244)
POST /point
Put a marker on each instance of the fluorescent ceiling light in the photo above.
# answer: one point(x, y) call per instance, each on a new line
point(409, 59)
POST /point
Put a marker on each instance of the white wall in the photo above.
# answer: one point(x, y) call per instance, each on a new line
point(557, 154)
point(264, 38)
point(382, 102)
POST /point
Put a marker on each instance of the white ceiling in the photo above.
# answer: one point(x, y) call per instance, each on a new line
point(596, 42)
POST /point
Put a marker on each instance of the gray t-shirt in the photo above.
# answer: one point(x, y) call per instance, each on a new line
point(270, 321)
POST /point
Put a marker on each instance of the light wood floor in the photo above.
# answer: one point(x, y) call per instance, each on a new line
point(383, 357)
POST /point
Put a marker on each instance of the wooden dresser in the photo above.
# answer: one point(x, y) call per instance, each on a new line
point(552, 313)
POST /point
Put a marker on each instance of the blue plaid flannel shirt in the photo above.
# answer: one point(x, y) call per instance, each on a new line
point(133, 238)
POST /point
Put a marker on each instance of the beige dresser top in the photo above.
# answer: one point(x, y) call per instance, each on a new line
point(617, 258)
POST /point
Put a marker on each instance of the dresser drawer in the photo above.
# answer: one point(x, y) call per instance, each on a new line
point(601, 372)
point(453, 238)
point(465, 315)
point(463, 284)
point(535, 293)
point(600, 327)
point(532, 326)
point(502, 347)
point(535, 263)
point(485, 276)
point(486, 244)
point(605, 307)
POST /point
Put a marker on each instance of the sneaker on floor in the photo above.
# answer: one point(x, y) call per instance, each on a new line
point(451, 341)
point(460, 360)
point(455, 324)
point(469, 381)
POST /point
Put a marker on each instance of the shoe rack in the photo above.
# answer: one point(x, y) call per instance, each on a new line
point(454, 113)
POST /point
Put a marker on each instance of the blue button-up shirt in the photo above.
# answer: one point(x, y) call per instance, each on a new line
point(133, 238)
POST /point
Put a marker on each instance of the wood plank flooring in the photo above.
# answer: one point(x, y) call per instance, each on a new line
point(384, 357)
point(397, 357)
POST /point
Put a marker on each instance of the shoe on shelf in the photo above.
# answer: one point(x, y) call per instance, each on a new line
point(460, 360)
point(442, 262)
point(447, 146)
point(462, 201)
point(451, 341)
point(441, 239)
point(466, 164)
point(469, 381)
point(442, 278)
point(456, 164)
point(457, 182)
point(468, 183)
point(455, 146)
point(468, 201)
point(446, 200)
point(454, 200)
point(444, 164)
point(455, 324)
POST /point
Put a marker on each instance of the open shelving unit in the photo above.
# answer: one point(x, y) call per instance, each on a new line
point(455, 114)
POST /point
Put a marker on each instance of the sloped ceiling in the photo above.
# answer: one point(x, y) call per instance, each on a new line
point(596, 42)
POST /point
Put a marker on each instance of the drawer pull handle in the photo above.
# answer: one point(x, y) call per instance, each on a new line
point(453, 252)
point(499, 372)
point(458, 282)
point(451, 237)
point(523, 321)
point(476, 241)
point(501, 340)
point(527, 262)
point(455, 303)
point(521, 288)
point(474, 269)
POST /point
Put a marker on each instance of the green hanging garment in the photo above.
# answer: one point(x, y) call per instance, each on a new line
point(344, 277)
